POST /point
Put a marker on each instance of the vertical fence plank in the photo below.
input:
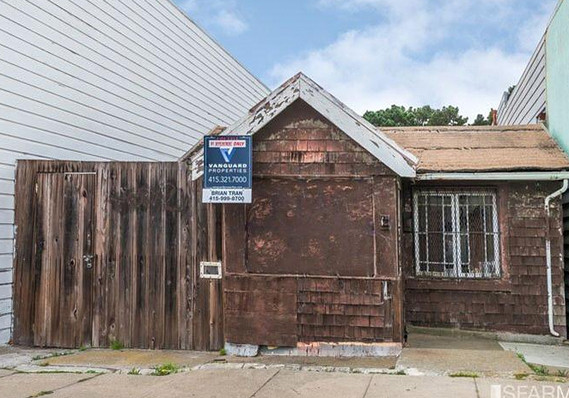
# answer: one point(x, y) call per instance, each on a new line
point(26, 237)
point(140, 333)
point(185, 276)
point(171, 210)
point(101, 237)
point(69, 292)
point(114, 252)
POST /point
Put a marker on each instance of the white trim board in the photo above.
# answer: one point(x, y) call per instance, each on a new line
point(497, 176)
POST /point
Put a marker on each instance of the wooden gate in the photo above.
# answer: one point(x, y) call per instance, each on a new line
point(65, 252)
point(111, 251)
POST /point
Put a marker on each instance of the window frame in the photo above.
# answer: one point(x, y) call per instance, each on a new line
point(456, 272)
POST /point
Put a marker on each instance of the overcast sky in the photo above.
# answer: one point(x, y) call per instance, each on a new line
point(374, 53)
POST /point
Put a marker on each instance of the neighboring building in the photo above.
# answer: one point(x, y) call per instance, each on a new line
point(525, 103)
point(557, 76)
point(542, 94)
point(92, 80)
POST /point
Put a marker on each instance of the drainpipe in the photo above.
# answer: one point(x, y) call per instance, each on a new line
point(554, 195)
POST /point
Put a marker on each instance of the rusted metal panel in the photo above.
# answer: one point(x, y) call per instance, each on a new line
point(260, 310)
point(313, 227)
point(284, 310)
point(386, 219)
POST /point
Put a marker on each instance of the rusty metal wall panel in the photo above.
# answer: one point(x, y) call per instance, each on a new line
point(312, 227)
point(260, 310)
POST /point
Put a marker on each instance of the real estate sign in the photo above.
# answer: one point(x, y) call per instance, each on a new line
point(228, 174)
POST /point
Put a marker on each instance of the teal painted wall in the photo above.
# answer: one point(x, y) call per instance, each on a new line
point(557, 53)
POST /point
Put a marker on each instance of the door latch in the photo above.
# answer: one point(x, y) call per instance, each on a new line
point(88, 261)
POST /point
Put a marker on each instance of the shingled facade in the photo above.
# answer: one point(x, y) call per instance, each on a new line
point(349, 249)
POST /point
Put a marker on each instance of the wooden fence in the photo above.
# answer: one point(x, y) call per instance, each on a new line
point(111, 251)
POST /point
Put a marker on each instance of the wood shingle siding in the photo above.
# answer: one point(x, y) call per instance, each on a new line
point(106, 80)
point(517, 301)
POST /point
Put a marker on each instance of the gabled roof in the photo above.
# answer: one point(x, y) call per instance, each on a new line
point(356, 127)
point(481, 148)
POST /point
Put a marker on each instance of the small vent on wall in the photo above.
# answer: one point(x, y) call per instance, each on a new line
point(210, 270)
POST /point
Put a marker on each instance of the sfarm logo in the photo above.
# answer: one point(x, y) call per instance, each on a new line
point(529, 391)
point(227, 147)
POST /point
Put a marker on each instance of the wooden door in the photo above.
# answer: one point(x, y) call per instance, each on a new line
point(64, 256)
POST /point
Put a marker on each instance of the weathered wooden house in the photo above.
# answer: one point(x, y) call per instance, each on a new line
point(353, 234)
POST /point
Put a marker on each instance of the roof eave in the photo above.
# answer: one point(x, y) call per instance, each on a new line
point(495, 176)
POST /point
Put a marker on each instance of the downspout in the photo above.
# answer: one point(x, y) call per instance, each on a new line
point(548, 199)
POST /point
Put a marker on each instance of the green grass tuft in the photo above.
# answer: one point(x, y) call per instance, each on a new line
point(539, 370)
point(134, 371)
point(562, 373)
point(52, 355)
point(223, 352)
point(464, 374)
point(116, 345)
point(165, 369)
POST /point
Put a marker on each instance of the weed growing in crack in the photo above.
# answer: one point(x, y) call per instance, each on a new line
point(165, 369)
point(464, 374)
point(134, 371)
point(116, 345)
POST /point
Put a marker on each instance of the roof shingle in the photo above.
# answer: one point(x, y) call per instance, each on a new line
point(480, 148)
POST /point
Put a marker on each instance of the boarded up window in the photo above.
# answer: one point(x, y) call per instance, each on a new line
point(313, 227)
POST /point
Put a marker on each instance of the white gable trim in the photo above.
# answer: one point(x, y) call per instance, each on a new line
point(355, 126)
point(358, 129)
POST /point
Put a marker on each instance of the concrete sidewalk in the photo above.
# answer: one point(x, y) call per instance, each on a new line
point(447, 355)
point(431, 365)
point(269, 383)
point(554, 357)
point(425, 355)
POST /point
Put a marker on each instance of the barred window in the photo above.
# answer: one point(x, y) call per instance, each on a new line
point(456, 234)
